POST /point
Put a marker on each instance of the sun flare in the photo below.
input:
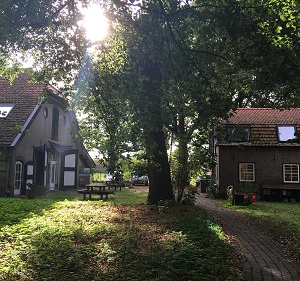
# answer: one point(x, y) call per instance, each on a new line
point(95, 23)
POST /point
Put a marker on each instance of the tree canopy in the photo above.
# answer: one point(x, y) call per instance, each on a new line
point(166, 67)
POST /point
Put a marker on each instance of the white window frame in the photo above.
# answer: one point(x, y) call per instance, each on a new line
point(18, 175)
point(286, 133)
point(5, 109)
point(245, 176)
point(292, 173)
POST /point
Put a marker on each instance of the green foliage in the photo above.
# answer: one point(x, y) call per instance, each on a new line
point(163, 205)
point(216, 229)
point(61, 239)
point(37, 190)
point(46, 30)
point(264, 39)
point(166, 65)
point(136, 163)
point(281, 25)
point(191, 192)
point(98, 177)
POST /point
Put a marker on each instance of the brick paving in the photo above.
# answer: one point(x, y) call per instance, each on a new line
point(262, 258)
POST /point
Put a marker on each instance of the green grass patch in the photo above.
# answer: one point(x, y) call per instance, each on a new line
point(61, 237)
point(281, 220)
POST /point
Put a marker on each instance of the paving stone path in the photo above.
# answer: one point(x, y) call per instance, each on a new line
point(262, 258)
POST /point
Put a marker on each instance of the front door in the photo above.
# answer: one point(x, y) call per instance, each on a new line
point(52, 178)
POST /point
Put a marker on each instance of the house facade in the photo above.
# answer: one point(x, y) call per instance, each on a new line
point(37, 138)
point(258, 150)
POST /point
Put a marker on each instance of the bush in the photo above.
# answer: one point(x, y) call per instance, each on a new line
point(37, 190)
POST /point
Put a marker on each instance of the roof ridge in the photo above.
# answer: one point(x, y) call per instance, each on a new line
point(266, 108)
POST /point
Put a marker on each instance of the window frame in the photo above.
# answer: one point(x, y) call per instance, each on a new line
point(236, 133)
point(280, 134)
point(291, 174)
point(247, 172)
point(18, 177)
point(5, 109)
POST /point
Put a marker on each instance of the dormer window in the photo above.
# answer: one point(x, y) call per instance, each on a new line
point(5, 109)
point(286, 133)
point(238, 133)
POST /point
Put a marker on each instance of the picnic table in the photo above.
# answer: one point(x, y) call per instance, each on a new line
point(96, 188)
point(115, 185)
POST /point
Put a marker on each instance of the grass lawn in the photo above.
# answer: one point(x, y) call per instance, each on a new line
point(61, 237)
point(281, 220)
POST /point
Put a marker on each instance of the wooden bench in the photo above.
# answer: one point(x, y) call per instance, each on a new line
point(84, 192)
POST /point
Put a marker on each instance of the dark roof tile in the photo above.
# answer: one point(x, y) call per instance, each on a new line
point(25, 96)
point(263, 122)
point(265, 116)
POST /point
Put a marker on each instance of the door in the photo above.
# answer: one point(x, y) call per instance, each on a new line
point(18, 178)
point(52, 178)
point(69, 173)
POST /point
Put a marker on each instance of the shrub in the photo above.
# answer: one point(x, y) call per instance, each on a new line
point(37, 190)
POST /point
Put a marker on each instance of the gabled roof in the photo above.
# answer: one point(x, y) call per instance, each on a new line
point(263, 123)
point(25, 97)
point(264, 116)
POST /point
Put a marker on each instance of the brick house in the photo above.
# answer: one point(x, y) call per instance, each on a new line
point(37, 143)
point(258, 150)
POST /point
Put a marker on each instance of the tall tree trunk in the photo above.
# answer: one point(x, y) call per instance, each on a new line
point(160, 187)
point(182, 172)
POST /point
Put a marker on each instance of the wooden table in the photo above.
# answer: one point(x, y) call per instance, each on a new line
point(115, 185)
point(95, 188)
point(99, 186)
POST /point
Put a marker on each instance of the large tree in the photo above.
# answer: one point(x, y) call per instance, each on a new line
point(263, 42)
point(137, 71)
point(181, 63)
point(203, 56)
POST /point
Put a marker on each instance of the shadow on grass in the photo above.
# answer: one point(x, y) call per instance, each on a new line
point(14, 210)
point(82, 242)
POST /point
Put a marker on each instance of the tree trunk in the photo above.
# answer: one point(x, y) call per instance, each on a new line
point(160, 187)
point(182, 172)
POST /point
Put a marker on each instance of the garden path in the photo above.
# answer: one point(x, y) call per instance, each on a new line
point(262, 258)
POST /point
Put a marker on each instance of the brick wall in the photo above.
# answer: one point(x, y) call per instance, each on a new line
point(268, 165)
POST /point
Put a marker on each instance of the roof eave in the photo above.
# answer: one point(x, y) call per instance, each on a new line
point(25, 126)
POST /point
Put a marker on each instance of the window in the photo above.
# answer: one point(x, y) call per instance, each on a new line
point(5, 109)
point(238, 133)
point(55, 119)
point(286, 133)
point(45, 112)
point(18, 176)
point(246, 172)
point(290, 173)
